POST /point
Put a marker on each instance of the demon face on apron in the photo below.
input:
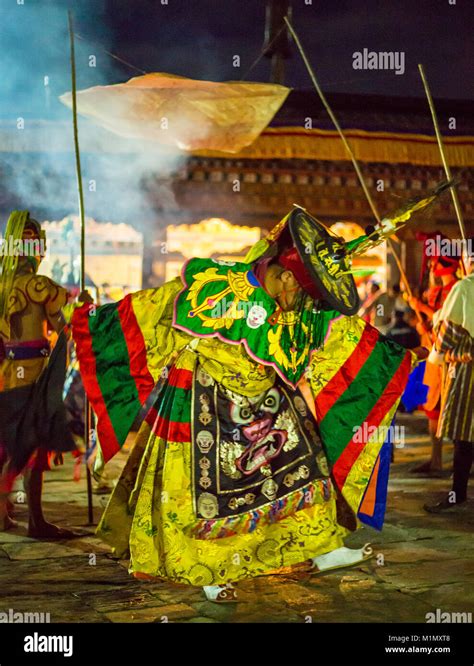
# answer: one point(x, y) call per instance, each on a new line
point(251, 452)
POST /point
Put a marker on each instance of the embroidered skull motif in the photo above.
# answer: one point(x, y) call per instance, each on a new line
point(205, 441)
point(256, 316)
point(207, 505)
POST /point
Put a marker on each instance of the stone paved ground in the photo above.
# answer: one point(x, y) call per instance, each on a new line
point(424, 562)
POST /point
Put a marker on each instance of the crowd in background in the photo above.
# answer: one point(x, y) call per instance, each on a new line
point(436, 315)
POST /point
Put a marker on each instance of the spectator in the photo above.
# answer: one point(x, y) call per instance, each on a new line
point(455, 345)
point(380, 310)
point(372, 292)
point(400, 302)
point(401, 332)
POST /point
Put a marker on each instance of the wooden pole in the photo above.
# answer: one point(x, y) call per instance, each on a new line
point(90, 511)
point(402, 272)
point(447, 170)
point(334, 119)
point(350, 153)
point(77, 153)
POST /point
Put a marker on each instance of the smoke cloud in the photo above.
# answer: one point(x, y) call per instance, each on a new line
point(124, 180)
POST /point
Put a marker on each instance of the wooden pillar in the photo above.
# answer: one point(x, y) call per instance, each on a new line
point(277, 45)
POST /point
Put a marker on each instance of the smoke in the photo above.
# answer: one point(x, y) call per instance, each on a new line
point(124, 180)
point(34, 64)
point(132, 187)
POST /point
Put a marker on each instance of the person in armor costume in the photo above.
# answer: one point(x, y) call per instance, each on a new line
point(33, 427)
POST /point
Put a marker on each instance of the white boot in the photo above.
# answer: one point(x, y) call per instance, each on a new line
point(342, 557)
point(220, 593)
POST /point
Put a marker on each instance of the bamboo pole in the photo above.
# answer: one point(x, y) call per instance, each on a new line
point(334, 119)
point(77, 152)
point(350, 153)
point(447, 170)
point(402, 273)
point(87, 420)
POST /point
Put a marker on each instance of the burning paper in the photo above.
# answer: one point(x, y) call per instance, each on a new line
point(188, 114)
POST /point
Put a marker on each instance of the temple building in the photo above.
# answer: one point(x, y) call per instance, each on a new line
point(114, 254)
point(210, 203)
point(299, 158)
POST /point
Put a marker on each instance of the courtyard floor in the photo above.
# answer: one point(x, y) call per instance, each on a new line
point(423, 562)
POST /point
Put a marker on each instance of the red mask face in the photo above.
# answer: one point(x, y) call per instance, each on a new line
point(290, 260)
point(439, 269)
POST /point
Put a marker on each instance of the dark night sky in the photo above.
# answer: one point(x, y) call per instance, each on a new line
point(198, 38)
point(201, 42)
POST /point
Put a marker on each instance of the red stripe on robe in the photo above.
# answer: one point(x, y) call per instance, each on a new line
point(343, 378)
point(352, 451)
point(86, 357)
point(136, 349)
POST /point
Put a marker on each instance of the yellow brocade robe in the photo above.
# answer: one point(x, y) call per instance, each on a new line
point(158, 512)
point(151, 510)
